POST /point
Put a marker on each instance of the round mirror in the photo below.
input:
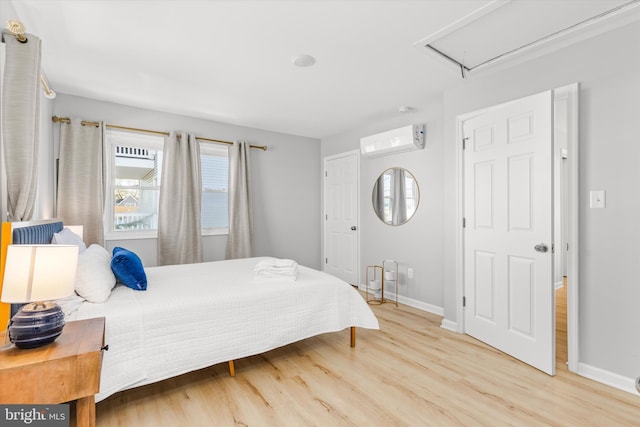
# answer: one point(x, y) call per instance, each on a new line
point(395, 196)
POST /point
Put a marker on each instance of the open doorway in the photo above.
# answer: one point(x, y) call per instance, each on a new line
point(564, 129)
point(562, 353)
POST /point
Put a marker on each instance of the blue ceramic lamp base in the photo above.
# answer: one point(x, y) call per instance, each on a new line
point(36, 324)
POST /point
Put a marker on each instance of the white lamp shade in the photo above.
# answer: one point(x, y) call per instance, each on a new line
point(39, 272)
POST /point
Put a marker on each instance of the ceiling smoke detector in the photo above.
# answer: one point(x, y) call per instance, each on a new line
point(303, 60)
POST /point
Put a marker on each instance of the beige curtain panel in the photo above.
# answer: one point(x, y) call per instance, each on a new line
point(240, 240)
point(179, 220)
point(81, 178)
point(20, 125)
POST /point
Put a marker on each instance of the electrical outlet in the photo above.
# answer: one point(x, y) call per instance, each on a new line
point(410, 273)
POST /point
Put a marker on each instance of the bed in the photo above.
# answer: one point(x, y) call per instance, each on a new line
point(197, 315)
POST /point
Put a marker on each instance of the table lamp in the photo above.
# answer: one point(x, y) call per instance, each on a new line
point(37, 274)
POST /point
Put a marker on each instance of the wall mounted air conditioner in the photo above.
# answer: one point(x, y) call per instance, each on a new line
point(406, 138)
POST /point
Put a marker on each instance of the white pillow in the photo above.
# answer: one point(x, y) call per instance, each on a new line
point(68, 237)
point(94, 278)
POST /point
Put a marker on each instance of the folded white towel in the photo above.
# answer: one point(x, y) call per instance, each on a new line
point(274, 268)
point(276, 263)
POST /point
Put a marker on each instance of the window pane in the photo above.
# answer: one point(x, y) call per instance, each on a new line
point(411, 192)
point(135, 170)
point(387, 197)
point(141, 170)
point(135, 209)
point(215, 196)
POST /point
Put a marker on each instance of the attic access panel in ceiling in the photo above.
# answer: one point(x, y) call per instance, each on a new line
point(502, 30)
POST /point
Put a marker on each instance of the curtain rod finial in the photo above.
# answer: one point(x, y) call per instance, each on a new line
point(16, 28)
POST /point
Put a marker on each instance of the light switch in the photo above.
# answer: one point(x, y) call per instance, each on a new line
point(409, 273)
point(597, 199)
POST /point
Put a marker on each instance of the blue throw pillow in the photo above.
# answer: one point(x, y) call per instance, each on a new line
point(128, 269)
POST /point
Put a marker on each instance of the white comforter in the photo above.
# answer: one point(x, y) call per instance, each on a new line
point(196, 315)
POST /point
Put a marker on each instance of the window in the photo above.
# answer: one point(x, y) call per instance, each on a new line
point(214, 165)
point(134, 177)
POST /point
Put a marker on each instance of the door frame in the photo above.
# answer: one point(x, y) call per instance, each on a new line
point(324, 210)
point(571, 93)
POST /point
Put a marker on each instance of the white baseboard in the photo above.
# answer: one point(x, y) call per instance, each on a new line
point(449, 325)
point(429, 308)
point(608, 378)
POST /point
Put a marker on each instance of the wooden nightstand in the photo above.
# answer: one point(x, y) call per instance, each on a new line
point(65, 370)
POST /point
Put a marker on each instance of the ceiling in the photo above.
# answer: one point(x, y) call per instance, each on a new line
point(231, 61)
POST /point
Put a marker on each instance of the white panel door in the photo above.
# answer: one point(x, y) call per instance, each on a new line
point(341, 204)
point(509, 288)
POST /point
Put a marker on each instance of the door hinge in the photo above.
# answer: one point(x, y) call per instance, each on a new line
point(553, 248)
point(326, 260)
point(326, 217)
point(464, 301)
point(464, 222)
point(325, 174)
point(464, 143)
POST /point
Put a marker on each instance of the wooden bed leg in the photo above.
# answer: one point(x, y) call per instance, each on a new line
point(353, 336)
point(232, 369)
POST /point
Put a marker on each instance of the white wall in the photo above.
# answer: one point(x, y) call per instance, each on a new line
point(418, 243)
point(285, 180)
point(608, 70)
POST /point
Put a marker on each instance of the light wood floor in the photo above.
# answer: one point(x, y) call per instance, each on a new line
point(561, 325)
point(409, 373)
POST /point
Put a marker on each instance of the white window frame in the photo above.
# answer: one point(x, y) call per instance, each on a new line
point(152, 142)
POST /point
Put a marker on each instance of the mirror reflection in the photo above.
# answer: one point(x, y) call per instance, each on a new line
point(395, 196)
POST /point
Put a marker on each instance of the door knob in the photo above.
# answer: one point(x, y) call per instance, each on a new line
point(541, 247)
point(354, 228)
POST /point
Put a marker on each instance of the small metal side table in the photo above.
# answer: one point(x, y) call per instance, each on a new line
point(377, 277)
point(374, 283)
point(390, 275)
